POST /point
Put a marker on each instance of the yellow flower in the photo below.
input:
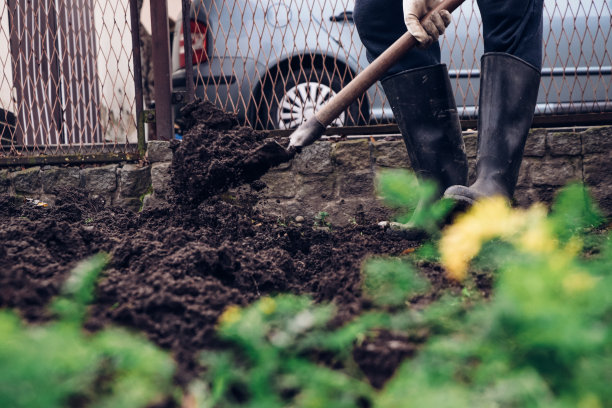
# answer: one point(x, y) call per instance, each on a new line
point(579, 282)
point(590, 401)
point(493, 218)
point(267, 305)
point(537, 237)
point(231, 315)
point(462, 241)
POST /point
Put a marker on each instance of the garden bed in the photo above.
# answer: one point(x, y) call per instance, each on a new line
point(175, 268)
point(259, 310)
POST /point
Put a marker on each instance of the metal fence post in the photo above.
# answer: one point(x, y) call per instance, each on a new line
point(139, 97)
point(189, 85)
point(161, 69)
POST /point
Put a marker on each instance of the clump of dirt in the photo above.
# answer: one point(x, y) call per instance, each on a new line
point(176, 267)
point(217, 154)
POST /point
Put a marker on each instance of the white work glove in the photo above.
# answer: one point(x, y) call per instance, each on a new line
point(432, 29)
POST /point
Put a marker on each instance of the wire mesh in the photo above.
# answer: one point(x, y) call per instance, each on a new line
point(67, 80)
point(274, 63)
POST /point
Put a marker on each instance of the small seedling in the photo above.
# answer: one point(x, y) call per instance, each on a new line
point(281, 222)
point(320, 220)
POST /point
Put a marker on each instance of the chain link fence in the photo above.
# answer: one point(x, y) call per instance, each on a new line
point(274, 63)
point(71, 82)
point(67, 78)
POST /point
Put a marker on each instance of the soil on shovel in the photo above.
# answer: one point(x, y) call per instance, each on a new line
point(176, 267)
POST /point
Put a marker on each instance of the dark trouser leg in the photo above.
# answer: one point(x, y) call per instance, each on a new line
point(513, 27)
point(510, 78)
point(379, 24)
point(419, 93)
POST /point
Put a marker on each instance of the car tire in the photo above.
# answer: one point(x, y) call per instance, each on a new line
point(295, 97)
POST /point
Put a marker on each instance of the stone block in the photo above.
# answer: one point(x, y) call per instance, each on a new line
point(391, 154)
point(535, 146)
point(597, 140)
point(362, 211)
point(280, 184)
point(158, 151)
point(555, 172)
point(471, 144)
point(151, 201)
point(134, 180)
point(471, 170)
point(524, 178)
point(597, 170)
point(5, 182)
point(27, 181)
point(564, 144)
point(352, 155)
point(602, 195)
point(60, 178)
point(317, 188)
point(129, 203)
point(160, 178)
point(526, 197)
point(100, 180)
point(314, 159)
point(353, 184)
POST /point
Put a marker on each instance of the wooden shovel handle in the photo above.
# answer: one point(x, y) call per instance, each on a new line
point(362, 82)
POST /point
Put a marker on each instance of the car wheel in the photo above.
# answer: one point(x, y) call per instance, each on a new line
point(295, 99)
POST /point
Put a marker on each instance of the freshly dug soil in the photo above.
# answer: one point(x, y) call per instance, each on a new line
point(175, 268)
point(216, 154)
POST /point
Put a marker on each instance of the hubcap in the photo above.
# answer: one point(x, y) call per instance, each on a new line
point(301, 102)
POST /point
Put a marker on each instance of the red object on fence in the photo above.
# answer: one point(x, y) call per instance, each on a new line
point(199, 44)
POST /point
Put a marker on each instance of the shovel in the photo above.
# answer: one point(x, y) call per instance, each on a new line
point(311, 130)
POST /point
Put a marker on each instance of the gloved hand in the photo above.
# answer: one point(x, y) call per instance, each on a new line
point(432, 29)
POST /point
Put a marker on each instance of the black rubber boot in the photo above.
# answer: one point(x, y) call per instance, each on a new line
point(508, 94)
point(424, 107)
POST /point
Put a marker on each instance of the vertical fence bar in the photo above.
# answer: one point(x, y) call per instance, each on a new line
point(187, 44)
point(161, 69)
point(139, 97)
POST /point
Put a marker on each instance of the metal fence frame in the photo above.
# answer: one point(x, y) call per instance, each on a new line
point(161, 118)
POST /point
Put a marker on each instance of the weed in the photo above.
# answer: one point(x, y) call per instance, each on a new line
point(320, 220)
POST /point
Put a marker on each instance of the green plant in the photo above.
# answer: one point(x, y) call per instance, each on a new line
point(58, 364)
point(271, 367)
point(320, 220)
point(391, 282)
point(543, 339)
point(416, 201)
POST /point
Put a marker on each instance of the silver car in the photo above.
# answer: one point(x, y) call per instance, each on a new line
point(275, 62)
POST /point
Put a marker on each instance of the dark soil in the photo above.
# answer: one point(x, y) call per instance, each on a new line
point(175, 268)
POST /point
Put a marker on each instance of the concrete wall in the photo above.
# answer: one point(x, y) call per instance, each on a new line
point(336, 177)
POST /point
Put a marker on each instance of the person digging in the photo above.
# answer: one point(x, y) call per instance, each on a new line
point(420, 95)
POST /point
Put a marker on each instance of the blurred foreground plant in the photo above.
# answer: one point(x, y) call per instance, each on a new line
point(59, 365)
point(415, 200)
point(544, 339)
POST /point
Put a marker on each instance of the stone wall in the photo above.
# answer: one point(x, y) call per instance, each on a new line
point(124, 184)
point(335, 177)
point(338, 178)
